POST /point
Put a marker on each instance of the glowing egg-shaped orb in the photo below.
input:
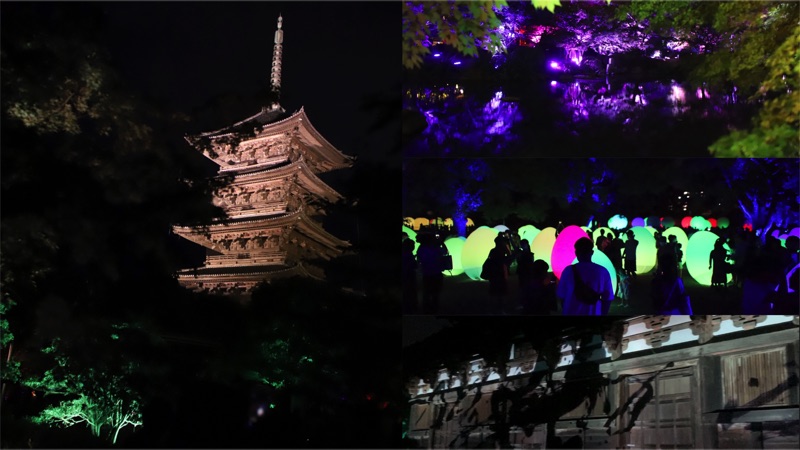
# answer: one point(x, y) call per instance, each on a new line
point(700, 223)
point(408, 221)
point(699, 249)
point(651, 230)
point(437, 222)
point(667, 222)
point(686, 222)
point(637, 222)
point(652, 221)
point(455, 245)
point(723, 222)
point(776, 234)
point(413, 236)
point(564, 248)
point(542, 245)
point(501, 228)
point(609, 234)
point(794, 232)
point(587, 230)
point(470, 223)
point(623, 237)
point(618, 222)
point(713, 222)
point(528, 232)
point(476, 250)
point(645, 251)
point(747, 226)
point(599, 257)
point(420, 222)
point(448, 222)
point(681, 237)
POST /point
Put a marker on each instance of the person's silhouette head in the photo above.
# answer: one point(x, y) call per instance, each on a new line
point(583, 249)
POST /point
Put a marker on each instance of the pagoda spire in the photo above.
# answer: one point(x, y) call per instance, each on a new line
point(277, 52)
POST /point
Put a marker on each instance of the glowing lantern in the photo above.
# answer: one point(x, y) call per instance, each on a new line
point(653, 221)
point(680, 236)
point(476, 250)
point(723, 222)
point(700, 223)
point(637, 222)
point(599, 257)
point(667, 222)
point(618, 222)
point(564, 248)
point(697, 254)
point(528, 232)
point(712, 222)
point(501, 228)
point(413, 236)
point(421, 221)
point(609, 234)
point(686, 222)
point(542, 245)
point(455, 245)
point(645, 251)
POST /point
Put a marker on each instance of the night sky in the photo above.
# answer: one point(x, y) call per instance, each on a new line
point(335, 56)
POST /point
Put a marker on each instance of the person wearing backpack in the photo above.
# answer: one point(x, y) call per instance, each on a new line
point(585, 287)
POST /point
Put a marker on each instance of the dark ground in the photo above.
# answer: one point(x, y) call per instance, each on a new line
point(463, 296)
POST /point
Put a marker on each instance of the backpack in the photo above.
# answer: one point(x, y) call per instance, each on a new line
point(584, 293)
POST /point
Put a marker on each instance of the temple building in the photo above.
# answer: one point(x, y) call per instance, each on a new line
point(721, 381)
point(273, 201)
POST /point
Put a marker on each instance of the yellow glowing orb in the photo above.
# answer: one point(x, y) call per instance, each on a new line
point(476, 250)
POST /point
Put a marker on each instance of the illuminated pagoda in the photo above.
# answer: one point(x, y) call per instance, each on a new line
point(272, 201)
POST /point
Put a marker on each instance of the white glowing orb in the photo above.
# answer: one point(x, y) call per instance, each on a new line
point(528, 232)
point(609, 234)
point(680, 236)
point(542, 245)
point(420, 222)
point(723, 222)
point(455, 246)
point(501, 228)
point(599, 257)
point(697, 255)
point(564, 248)
point(637, 222)
point(413, 236)
point(476, 250)
point(645, 251)
point(618, 222)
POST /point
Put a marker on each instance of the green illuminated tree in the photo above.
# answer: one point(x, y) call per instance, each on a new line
point(756, 49)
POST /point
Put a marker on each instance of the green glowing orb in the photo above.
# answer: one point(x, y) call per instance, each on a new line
point(651, 230)
point(476, 250)
point(587, 230)
point(697, 254)
point(618, 222)
point(680, 235)
point(542, 245)
point(455, 246)
point(668, 222)
point(645, 251)
point(699, 223)
point(723, 222)
point(528, 232)
point(413, 236)
point(599, 257)
point(609, 233)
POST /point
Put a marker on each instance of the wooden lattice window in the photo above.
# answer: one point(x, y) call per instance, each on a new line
point(755, 379)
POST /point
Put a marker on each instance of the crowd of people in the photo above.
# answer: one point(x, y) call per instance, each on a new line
point(766, 272)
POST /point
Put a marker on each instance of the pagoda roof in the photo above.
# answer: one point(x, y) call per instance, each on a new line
point(305, 224)
point(273, 122)
point(306, 176)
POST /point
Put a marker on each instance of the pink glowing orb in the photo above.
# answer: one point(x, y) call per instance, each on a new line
point(542, 245)
point(686, 222)
point(564, 248)
point(637, 222)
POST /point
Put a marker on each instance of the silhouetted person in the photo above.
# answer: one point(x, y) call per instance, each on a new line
point(717, 260)
point(495, 269)
point(524, 271)
point(668, 291)
point(541, 299)
point(429, 255)
point(629, 254)
point(409, 278)
point(594, 276)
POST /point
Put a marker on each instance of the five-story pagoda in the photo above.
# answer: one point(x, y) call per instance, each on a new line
point(273, 159)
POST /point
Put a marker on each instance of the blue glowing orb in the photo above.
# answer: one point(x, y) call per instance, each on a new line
point(618, 222)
